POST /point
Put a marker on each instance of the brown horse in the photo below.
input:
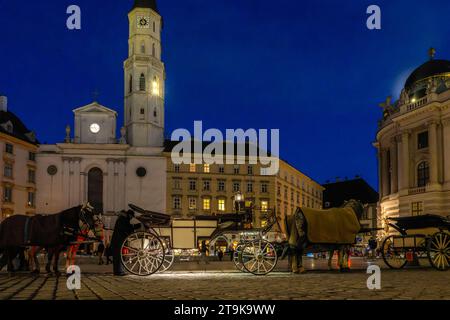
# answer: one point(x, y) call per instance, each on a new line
point(53, 232)
point(297, 232)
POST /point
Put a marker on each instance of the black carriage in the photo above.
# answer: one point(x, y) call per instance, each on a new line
point(415, 240)
point(257, 252)
point(151, 248)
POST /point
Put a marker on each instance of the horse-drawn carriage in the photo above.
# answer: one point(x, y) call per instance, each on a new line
point(418, 235)
point(151, 249)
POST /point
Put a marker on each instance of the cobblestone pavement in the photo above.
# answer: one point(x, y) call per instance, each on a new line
point(412, 283)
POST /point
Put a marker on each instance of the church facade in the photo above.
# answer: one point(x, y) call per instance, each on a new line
point(413, 143)
point(92, 164)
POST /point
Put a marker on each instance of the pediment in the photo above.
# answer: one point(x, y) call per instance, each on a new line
point(94, 108)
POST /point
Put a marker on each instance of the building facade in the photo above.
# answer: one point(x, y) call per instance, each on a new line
point(92, 164)
point(413, 143)
point(202, 189)
point(18, 147)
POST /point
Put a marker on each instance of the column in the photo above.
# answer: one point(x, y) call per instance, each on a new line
point(122, 187)
point(380, 171)
point(66, 182)
point(432, 136)
point(75, 181)
point(109, 201)
point(385, 171)
point(446, 151)
point(404, 161)
point(394, 166)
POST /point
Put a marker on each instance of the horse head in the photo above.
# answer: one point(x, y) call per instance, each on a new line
point(357, 207)
point(90, 221)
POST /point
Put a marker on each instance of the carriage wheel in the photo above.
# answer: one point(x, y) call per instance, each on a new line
point(439, 251)
point(142, 253)
point(169, 258)
point(259, 257)
point(395, 258)
point(237, 258)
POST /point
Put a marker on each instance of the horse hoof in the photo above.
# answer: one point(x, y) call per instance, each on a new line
point(302, 271)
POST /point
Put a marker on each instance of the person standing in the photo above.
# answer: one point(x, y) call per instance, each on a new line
point(122, 230)
point(203, 251)
point(100, 251)
point(220, 255)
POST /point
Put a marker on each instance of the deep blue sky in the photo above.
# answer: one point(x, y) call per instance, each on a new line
point(310, 68)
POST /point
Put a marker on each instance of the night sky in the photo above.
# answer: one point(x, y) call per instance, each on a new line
point(310, 68)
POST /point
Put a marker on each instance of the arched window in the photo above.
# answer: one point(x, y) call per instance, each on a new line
point(143, 47)
point(131, 84)
point(423, 174)
point(142, 82)
point(153, 50)
point(95, 189)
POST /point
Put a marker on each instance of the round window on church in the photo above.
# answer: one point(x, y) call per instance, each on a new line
point(52, 170)
point(141, 172)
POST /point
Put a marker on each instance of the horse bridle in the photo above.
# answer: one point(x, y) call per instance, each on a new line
point(86, 223)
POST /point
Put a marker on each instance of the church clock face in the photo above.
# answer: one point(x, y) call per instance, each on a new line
point(143, 22)
point(95, 128)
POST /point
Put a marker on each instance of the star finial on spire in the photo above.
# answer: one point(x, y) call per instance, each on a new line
point(431, 53)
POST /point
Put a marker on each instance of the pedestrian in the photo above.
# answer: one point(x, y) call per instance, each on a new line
point(203, 251)
point(108, 254)
point(122, 230)
point(100, 251)
point(220, 255)
point(373, 247)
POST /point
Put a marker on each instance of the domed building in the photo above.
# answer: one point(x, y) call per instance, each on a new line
point(413, 143)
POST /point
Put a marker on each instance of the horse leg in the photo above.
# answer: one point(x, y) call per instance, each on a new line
point(11, 254)
point(49, 260)
point(299, 254)
point(3, 259)
point(56, 254)
point(34, 257)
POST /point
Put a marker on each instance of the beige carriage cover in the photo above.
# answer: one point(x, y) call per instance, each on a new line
point(336, 225)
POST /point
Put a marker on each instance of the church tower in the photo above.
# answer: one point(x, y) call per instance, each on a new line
point(144, 77)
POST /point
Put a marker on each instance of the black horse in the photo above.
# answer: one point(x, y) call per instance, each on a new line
point(299, 244)
point(53, 232)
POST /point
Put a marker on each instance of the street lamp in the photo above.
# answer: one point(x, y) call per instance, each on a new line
point(238, 201)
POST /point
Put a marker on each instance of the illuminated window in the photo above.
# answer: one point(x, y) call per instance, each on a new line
point(264, 206)
point(416, 208)
point(221, 205)
point(192, 167)
point(206, 168)
point(155, 87)
point(263, 223)
point(206, 204)
point(192, 204)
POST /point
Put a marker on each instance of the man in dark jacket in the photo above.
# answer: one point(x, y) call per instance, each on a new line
point(122, 230)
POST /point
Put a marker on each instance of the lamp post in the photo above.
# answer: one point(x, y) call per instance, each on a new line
point(238, 201)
